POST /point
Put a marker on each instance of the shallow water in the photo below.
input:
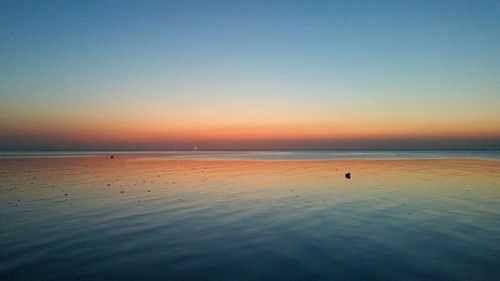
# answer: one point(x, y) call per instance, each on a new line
point(250, 216)
point(274, 154)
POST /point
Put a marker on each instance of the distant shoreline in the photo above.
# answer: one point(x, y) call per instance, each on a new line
point(243, 149)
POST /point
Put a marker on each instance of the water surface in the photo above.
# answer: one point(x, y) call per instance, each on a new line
point(258, 215)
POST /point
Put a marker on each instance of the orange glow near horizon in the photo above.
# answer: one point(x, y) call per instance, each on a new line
point(207, 134)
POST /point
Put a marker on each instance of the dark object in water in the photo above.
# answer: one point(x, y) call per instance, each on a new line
point(112, 156)
point(348, 175)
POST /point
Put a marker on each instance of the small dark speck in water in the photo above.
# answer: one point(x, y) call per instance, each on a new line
point(112, 156)
point(348, 175)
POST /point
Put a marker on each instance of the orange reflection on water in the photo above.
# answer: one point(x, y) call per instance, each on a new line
point(139, 178)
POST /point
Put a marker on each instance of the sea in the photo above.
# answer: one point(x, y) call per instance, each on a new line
point(250, 215)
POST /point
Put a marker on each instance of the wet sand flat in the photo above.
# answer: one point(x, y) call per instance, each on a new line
point(150, 217)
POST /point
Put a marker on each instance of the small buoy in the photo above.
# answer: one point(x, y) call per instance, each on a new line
point(348, 175)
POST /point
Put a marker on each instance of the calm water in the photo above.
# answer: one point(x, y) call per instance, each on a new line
point(232, 215)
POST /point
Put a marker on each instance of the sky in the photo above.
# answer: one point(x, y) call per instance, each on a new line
point(249, 74)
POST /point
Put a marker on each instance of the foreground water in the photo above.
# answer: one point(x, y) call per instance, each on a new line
point(250, 216)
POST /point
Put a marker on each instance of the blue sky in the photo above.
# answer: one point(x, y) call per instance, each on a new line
point(322, 62)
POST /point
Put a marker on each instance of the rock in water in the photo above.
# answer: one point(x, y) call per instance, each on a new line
point(348, 175)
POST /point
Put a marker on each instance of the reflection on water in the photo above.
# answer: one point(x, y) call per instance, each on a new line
point(275, 154)
point(150, 217)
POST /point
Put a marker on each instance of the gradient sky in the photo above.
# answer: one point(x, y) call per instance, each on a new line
point(249, 74)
